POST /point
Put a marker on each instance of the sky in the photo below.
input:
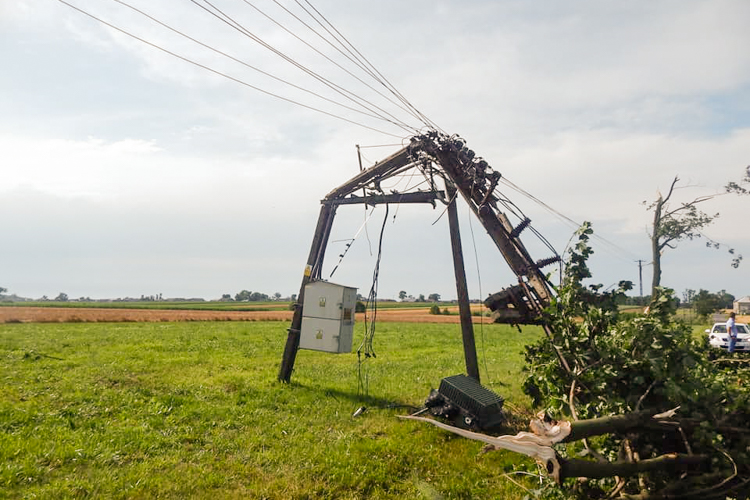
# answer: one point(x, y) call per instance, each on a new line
point(127, 170)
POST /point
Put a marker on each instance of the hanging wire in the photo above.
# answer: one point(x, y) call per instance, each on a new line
point(366, 348)
point(453, 198)
point(479, 282)
point(350, 243)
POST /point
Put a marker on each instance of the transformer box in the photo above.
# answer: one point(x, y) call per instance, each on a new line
point(328, 317)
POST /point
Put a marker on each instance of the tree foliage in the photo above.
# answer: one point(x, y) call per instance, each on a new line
point(597, 363)
point(672, 225)
point(685, 222)
point(738, 188)
point(248, 296)
point(706, 303)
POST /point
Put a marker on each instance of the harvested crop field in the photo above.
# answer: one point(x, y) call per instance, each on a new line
point(102, 315)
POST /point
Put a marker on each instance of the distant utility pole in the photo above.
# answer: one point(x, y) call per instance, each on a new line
point(640, 275)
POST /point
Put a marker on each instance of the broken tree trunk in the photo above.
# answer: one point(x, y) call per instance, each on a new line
point(539, 443)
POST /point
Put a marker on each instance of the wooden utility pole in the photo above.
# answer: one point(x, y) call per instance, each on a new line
point(464, 308)
point(640, 276)
point(312, 271)
point(437, 155)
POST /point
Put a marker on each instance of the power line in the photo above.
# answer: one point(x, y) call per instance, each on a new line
point(348, 54)
point(380, 146)
point(384, 81)
point(240, 61)
point(324, 55)
point(224, 75)
point(575, 224)
point(222, 16)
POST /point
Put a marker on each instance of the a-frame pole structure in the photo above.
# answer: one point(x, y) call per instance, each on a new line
point(343, 195)
point(436, 155)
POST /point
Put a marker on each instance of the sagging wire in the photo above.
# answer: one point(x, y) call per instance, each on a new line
point(453, 198)
point(366, 348)
point(351, 242)
point(409, 180)
point(517, 212)
point(625, 254)
point(479, 282)
point(265, 73)
point(355, 62)
point(366, 65)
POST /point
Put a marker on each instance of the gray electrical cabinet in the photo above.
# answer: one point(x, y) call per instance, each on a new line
point(328, 317)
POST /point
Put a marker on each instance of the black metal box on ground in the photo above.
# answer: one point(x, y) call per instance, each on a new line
point(480, 407)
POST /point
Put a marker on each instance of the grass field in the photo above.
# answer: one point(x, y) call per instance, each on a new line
point(193, 410)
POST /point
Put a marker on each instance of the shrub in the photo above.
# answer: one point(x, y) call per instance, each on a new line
point(616, 365)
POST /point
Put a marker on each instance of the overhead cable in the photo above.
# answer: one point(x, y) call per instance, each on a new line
point(222, 16)
point(612, 246)
point(224, 75)
point(346, 53)
point(380, 78)
point(326, 57)
point(281, 80)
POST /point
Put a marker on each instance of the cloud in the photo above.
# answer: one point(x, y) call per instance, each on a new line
point(590, 106)
point(606, 174)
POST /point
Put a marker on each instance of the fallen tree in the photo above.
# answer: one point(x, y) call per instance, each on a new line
point(607, 378)
point(539, 445)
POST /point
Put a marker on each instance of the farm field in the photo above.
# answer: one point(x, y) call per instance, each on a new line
point(193, 410)
point(198, 305)
point(67, 314)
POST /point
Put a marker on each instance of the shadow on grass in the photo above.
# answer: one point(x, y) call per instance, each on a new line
point(355, 397)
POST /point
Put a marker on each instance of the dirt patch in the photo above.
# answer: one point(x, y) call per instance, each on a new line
point(94, 315)
point(99, 315)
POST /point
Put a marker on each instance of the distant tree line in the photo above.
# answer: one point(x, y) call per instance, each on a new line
point(248, 296)
point(404, 297)
point(704, 302)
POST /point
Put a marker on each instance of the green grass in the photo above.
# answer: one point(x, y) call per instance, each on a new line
point(193, 410)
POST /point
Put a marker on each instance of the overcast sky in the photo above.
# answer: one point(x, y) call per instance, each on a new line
point(127, 171)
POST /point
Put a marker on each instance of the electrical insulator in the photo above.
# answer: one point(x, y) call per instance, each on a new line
point(546, 262)
point(519, 228)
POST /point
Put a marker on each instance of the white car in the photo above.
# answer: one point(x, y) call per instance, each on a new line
point(718, 337)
